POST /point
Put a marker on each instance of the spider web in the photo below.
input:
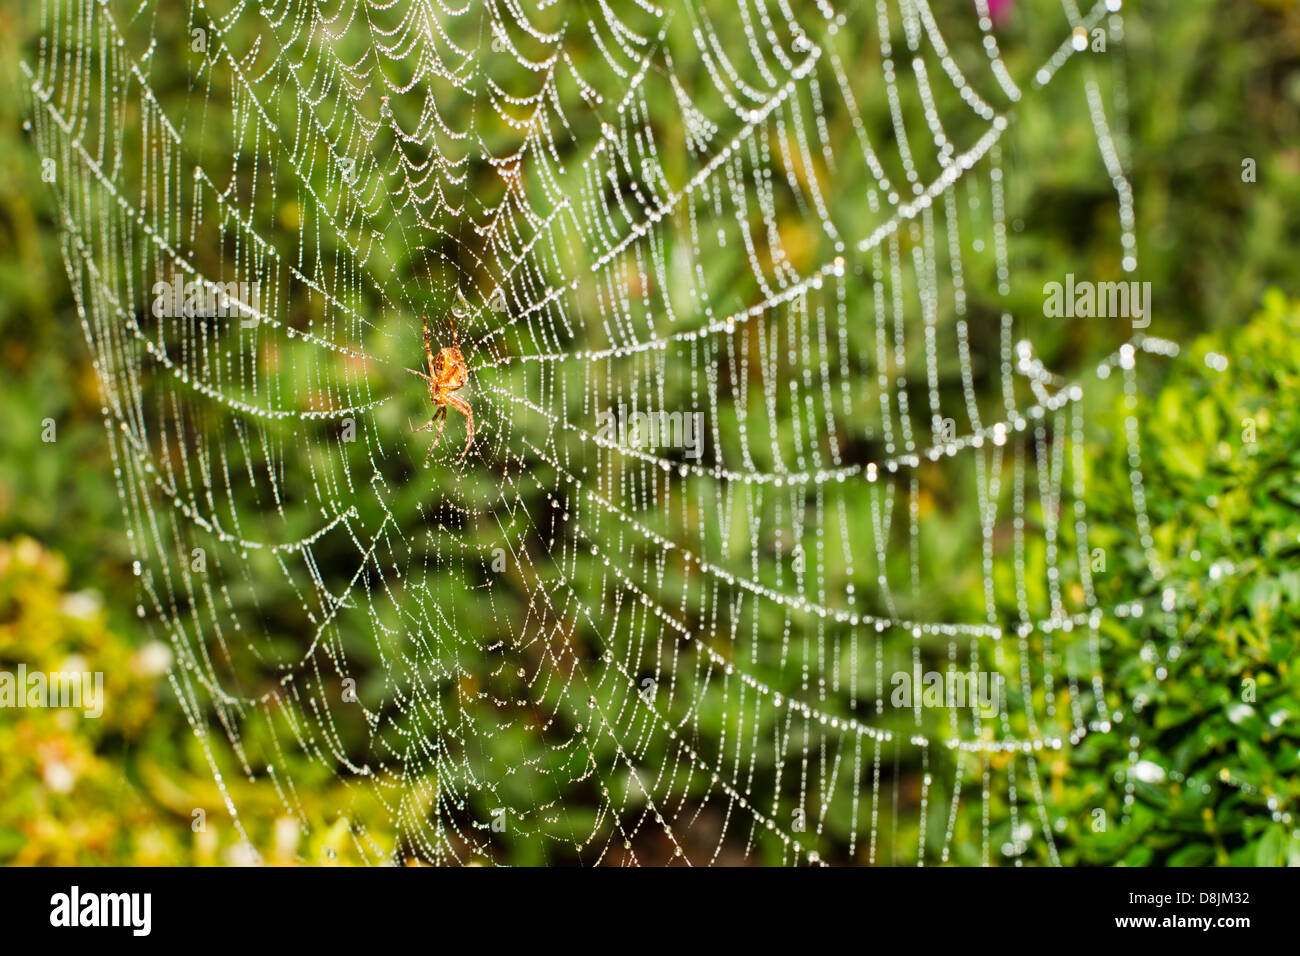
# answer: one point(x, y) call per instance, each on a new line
point(573, 646)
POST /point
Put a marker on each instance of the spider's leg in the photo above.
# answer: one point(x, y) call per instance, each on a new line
point(462, 406)
point(440, 416)
point(431, 422)
point(421, 374)
point(428, 345)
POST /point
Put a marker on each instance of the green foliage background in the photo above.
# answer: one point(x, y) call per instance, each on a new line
point(1209, 84)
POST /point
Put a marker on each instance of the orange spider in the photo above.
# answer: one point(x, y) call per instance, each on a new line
point(447, 373)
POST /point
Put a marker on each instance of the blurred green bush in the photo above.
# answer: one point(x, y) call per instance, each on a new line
point(131, 787)
point(1201, 766)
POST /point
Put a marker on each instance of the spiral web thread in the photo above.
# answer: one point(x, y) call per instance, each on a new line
point(593, 649)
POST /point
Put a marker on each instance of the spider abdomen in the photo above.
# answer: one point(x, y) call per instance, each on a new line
point(449, 369)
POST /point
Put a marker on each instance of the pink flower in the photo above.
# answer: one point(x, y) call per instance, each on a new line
point(999, 9)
